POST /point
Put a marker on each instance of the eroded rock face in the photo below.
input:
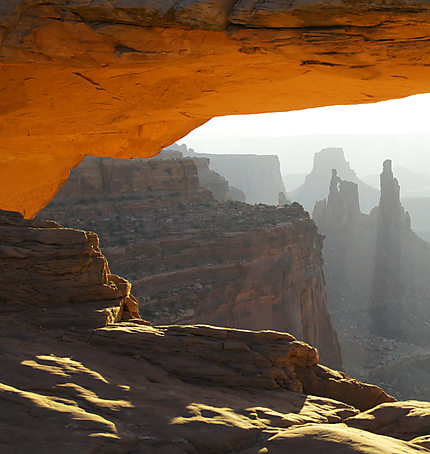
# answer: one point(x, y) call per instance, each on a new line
point(238, 359)
point(50, 274)
point(127, 386)
point(257, 176)
point(194, 260)
point(126, 79)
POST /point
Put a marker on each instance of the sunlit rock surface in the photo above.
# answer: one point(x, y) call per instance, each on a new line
point(377, 286)
point(126, 79)
point(75, 387)
point(192, 259)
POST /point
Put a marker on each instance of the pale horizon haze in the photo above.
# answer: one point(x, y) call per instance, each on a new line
point(369, 133)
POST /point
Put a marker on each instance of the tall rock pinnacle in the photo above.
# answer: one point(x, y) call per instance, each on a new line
point(390, 209)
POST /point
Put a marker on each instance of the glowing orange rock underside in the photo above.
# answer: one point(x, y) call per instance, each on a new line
point(68, 89)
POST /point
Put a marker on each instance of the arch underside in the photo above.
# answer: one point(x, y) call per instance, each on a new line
point(126, 78)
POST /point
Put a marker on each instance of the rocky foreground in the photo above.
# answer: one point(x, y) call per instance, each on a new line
point(97, 384)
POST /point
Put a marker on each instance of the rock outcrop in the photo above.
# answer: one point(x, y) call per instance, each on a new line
point(257, 176)
point(316, 183)
point(125, 79)
point(192, 259)
point(217, 184)
point(73, 386)
point(50, 274)
point(377, 286)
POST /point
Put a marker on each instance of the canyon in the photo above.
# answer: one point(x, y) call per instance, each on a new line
point(80, 370)
point(376, 271)
point(193, 259)
point(121, 385)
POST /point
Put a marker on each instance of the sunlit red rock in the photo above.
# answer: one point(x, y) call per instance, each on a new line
point(125, 79)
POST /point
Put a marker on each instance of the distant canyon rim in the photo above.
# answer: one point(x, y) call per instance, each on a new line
point(125, 79)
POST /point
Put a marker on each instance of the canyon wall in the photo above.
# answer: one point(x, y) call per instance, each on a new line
point(257, 176)
point(125, 79)
point(377, 285)
point(192, 259)
point(82, 371)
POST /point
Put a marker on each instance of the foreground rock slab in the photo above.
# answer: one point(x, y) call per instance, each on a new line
point(237, 358)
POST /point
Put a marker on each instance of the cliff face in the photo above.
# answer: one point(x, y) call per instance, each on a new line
point(377, 285)
point(257, 176)
point(317, 182)
point(50, 274)
point(216, 183)
point(192, 259)
point(82, 371)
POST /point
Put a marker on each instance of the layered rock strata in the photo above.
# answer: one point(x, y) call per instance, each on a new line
point(49, 274)
point(129, 387)
point(257, 176)
point(74, 386)
point(216, 183)
point(238, 359)
point(125, 79)
point(192, 259)
point(377, 286)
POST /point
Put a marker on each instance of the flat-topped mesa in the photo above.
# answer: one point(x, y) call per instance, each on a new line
point(53, 276)
point(390, 209)
point(150, 182)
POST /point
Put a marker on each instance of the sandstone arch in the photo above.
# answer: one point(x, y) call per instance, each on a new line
point(124, 78)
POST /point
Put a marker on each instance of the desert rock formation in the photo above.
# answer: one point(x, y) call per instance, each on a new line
point(48, 273)
point(377, 286)
point(128, 386)
point(216, 183)
point(192, 259)
point(316, 183)
point(257, 176)
point(125, 79)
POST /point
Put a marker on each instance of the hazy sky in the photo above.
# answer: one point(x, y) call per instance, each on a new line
point(396, 129)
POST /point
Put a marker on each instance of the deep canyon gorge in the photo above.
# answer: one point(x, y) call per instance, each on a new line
point(83, 369)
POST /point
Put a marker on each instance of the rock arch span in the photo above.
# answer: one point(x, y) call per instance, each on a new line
point(124, 78)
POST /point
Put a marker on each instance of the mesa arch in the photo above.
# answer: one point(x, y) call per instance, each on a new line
point(124, 78)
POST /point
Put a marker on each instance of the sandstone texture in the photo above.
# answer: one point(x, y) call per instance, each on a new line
point(192, 259)
point(377, 286)
point(109, 392)
point(115, 386)
point(127, 78)
point(50, 274)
